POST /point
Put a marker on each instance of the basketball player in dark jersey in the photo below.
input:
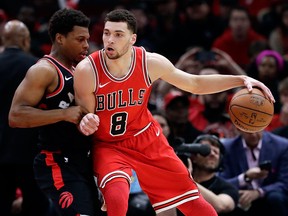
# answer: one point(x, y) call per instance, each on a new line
point(114, 85)
point(45, 99)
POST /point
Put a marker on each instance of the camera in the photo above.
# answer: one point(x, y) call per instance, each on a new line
point(187, 149)
point(205, 56)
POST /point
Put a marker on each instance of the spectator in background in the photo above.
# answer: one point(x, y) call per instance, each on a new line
point(237, 39)
point(198, 58)
point(145, 28)
point(222, 8)
point(168, 28)
point(209, 112)
point(255, 7)
point(177, 110)
point(270, 17)
point(201, 26)
point(165, 125)
point(255, 48)
point(40, 42)
point(222, 195)
point(279, 123)
point(278, 38)
point(263, 191)
point(18, 146)
point(3, 20)
point(270, 68)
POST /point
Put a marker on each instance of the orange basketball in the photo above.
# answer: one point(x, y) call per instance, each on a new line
point(250, 111)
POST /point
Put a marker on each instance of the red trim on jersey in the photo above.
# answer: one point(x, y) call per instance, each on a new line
point(61, 80)
point(48, 56)
point(94, 68)
point(108, 74)
point(56, 172)
point(144, 66)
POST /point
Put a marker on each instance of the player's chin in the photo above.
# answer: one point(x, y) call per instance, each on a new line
point(80, 58)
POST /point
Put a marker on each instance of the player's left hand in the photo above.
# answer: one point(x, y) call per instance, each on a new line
point(89, 124)
point(250, 83)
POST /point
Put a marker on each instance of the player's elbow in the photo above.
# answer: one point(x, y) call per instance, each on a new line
point(13, 119)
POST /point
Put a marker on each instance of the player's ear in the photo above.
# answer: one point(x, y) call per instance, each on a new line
point(133, 39)
point(59, 38)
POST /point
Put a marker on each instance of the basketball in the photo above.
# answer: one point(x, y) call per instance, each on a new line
point(250, 111)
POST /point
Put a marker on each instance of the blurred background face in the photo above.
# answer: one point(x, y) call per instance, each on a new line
point(215, 101)
point(198, 11)
point(239, 23)
point(163, 123)
point(177, 112)
point(252, 139)
point(142, 19)
point(285, 18)
point(267, 68)
point(166, 8)
point(210, 162)
point(284, 96)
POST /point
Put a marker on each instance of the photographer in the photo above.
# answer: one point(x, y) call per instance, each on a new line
point(222, 195)
point(206, 154)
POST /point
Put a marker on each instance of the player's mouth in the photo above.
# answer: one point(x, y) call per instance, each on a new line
point(109, 50)
point(84, 54)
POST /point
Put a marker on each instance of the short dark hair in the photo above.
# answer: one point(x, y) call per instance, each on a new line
point(239, 8)
point(63, 21)
point(123, 15)
point(215, 141)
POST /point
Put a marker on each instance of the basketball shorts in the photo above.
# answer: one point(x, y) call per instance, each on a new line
point(161, 174)
point(72, 192)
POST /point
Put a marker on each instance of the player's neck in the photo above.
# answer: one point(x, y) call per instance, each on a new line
point(61, 58)
point(121, 66)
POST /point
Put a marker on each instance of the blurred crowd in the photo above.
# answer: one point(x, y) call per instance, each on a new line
point(231, 32)
point(236, 37)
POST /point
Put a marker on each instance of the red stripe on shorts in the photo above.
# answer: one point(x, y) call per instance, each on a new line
point(191, 195)
point(56, 171)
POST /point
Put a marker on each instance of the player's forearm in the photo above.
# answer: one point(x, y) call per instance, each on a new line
point(209, 84)
point(27, 117)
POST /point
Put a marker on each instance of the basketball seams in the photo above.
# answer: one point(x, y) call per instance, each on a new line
point(255, 110)
point(244, 94)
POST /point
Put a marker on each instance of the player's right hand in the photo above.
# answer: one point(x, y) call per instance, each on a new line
point(89, 124)
point(73, 114)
